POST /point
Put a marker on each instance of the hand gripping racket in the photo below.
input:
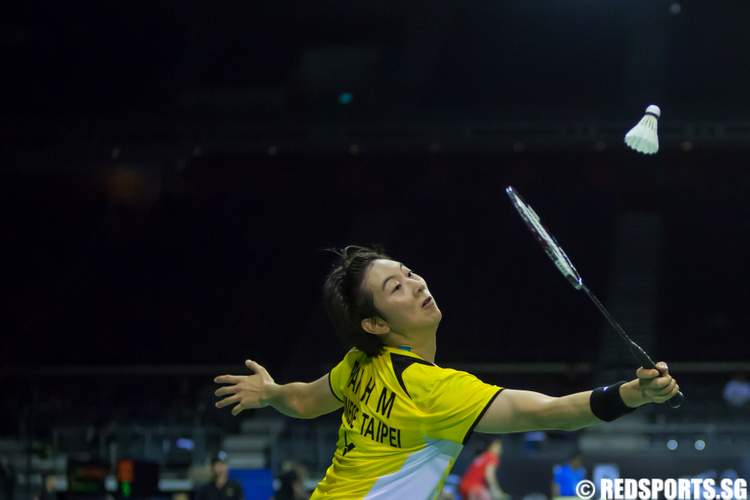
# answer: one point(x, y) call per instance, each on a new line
point(556, 253)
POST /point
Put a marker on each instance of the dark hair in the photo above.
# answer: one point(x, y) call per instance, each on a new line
point(348, 302)
point(219, 456)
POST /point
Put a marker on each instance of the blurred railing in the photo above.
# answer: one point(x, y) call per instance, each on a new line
point(153, 138)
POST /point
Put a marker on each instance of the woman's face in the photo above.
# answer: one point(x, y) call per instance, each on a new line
point(402, 297)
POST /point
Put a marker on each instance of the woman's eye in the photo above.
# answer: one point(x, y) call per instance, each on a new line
point(396, 287)
point(409, 274)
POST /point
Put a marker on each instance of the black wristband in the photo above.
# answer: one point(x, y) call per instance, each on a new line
point(606, 403)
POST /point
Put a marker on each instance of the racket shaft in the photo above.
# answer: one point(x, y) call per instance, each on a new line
point(640, 355)
point(565, 266)
point(637, 351)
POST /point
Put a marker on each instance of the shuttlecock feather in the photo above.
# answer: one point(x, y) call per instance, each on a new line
point(643, 137)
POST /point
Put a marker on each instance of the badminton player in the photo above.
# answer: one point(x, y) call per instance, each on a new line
point(405, 419)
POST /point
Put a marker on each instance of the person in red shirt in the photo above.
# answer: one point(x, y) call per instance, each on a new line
point(480, 480)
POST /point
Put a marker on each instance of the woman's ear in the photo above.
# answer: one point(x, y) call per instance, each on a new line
point(375, 325)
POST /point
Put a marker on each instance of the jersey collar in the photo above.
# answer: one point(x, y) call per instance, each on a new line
point(405, 351)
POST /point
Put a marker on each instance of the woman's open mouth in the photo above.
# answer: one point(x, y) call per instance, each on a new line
point(427, 302)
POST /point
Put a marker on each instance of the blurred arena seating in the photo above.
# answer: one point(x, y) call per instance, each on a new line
point(151, 416)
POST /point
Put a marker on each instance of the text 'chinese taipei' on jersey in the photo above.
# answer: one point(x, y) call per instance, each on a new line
point(404, 422)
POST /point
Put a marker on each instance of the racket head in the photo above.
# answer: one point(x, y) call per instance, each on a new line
point(548, 242)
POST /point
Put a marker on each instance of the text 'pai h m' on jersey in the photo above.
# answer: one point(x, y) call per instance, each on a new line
point(403, 424)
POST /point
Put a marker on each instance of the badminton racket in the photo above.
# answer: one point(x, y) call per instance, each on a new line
point(555, 252)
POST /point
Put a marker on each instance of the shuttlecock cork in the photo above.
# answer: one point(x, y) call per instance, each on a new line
point(643, 137)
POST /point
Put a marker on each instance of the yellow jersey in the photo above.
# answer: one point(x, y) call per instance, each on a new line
point(404, 422)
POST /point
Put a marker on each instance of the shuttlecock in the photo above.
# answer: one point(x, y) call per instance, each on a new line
point(643, 137)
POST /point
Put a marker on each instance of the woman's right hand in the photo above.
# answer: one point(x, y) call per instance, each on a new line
point(246, 392)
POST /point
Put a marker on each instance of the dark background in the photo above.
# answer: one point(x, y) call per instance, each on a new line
point(171, 174)
point(173, 171)
point(130, 266)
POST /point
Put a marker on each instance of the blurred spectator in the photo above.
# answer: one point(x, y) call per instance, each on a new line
point(737, 391)
point(292, 482)
point(49, 488)
point(7, 479)
point(220, 487)
point(480, 480)
point(565, 477)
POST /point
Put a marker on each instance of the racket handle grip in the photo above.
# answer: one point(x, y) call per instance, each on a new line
point(677, 400)
point(647, 362)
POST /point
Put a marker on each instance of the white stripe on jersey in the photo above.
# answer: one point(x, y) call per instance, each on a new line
point(420, 475)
